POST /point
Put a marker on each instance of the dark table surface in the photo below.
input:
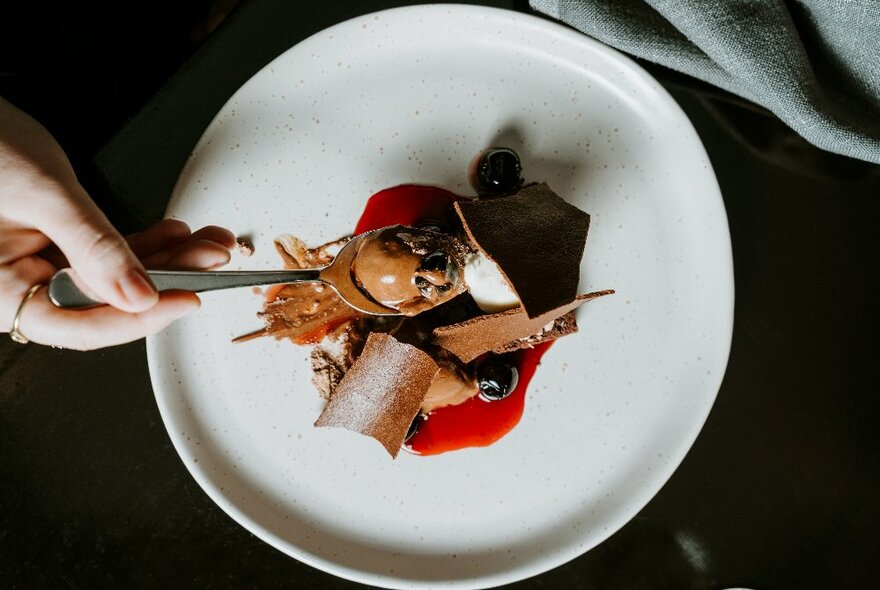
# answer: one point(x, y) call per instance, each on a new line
point(779, 491)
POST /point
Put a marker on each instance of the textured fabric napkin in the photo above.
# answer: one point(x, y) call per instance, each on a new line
point(813, 63)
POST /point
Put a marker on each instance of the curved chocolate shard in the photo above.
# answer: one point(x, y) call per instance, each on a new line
point(561, 326)
point(381, 393)
point(536, 239)
point(469, 339)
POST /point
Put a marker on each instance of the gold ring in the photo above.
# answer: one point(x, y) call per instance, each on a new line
point(15, 333)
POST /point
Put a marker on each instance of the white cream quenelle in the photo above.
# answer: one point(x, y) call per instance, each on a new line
point(487, 285)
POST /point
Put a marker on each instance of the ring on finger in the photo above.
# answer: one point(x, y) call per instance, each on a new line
point(15, 333)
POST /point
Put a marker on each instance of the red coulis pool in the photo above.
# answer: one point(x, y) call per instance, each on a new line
point(476, 422)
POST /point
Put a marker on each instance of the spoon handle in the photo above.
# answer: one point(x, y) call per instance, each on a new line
point(66, 289)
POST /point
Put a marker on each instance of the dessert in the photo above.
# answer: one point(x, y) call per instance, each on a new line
point(478, 309)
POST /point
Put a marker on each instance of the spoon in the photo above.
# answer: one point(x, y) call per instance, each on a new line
point(66, 289)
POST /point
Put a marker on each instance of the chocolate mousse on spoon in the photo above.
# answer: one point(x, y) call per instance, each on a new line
point(409, 269)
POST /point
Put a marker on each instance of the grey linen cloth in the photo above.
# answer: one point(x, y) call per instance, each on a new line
point(813, 63)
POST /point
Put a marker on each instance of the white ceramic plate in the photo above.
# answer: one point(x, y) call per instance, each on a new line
point(411, 95)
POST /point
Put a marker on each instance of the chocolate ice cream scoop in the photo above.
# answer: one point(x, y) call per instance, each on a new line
point(409, 269)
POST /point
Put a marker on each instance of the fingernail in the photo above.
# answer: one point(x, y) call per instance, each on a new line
point(137, 289)
point(221, 259)
point(184, 305)
point(191, 305)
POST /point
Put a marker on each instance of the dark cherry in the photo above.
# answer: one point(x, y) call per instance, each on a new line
point(496, 379)
point(428, 289)
point(414, 426)
point(435, 261)
point(497, 171)
point(425, 287)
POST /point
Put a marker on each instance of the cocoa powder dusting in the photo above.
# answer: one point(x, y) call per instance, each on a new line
point(381, 393)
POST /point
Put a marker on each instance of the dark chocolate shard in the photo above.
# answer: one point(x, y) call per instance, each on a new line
point(418, 330)
point(562, 326)
point(469, 339)
point(536, 239)
point(381, 393)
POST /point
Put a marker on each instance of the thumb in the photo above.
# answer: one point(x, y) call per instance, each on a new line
point(98, 253)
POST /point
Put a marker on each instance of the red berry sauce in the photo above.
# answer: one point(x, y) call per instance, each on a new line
point(476, 422)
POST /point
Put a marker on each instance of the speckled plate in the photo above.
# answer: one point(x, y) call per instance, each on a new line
point(411, 95)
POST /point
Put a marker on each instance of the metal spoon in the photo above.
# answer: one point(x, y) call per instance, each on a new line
point(66, 289)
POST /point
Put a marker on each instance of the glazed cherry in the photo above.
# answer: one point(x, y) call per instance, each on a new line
point(496, 379)
point(496, 172)
point(434, 274)
point(435, 261)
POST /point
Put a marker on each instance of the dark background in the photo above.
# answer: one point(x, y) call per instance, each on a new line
point(779, 491)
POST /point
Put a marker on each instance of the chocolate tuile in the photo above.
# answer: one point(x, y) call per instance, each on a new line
point(381, 393)
point(536, 239)
point(469, 339)
point(562, 326)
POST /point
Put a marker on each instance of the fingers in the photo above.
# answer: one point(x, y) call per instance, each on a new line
point(172, 232)
point(18, 242)
point(44, 323)
point(205, 249)
point(15, 281)
point(199, 254)
point(192, 255)
point(100, 256)
point(217, 234)
point(158, 237)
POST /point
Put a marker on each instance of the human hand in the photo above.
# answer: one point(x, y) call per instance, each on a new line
point(47, 221)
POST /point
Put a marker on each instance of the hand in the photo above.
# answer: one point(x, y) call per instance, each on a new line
point(47, 221)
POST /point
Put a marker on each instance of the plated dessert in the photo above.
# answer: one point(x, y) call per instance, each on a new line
point(479, 288)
